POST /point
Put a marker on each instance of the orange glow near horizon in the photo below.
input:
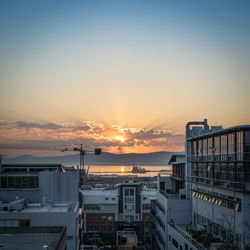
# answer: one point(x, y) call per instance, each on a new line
point(113, 139)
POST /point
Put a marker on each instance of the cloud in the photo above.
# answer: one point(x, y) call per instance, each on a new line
point(27, 125)
point(91, 134)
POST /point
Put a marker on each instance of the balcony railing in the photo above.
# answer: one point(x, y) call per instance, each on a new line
point(170, 196)
point(235, 185)
point(179, 177)
point(220, 157)
point(188, 237)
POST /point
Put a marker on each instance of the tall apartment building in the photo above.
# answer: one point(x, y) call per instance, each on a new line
point(41, 195)
point(220, 179)
point(216, 180)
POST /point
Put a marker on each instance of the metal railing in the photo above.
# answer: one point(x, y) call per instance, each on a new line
point(229, 157)
point(188, 237)
point(173, 196)
point(236, 185)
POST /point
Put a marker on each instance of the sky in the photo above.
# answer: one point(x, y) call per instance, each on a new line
point(124, 75)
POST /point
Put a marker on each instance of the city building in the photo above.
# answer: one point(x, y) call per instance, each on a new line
point(220, 182)
point(37, 195)
point(171, 205)
point(110, 211)
point(216, 197)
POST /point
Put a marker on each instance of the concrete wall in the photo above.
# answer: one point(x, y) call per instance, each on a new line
point(56, 186)
point(68, 219)
point(59, 186)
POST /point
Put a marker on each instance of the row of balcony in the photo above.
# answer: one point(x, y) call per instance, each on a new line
point(227, 184)
point(220, 157)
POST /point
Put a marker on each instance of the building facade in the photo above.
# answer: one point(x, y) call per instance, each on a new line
point(216, 180)
point(124, 207)
point(38, 195)
point(220, 180)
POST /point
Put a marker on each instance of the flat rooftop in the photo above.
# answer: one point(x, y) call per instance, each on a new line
point(47, 208)
point(28, 241)
point(31, 238)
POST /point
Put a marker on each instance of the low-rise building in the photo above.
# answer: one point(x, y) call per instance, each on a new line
point(34, 195)
point(109, 211)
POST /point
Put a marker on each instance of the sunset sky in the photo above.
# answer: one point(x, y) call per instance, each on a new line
point(123, 75)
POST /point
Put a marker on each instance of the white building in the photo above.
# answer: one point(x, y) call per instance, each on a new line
point(41, 195)
point(217, 183)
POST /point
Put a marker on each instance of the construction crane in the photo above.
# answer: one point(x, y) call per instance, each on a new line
point(96, 151)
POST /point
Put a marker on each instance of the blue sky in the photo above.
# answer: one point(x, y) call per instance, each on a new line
point(134, 64)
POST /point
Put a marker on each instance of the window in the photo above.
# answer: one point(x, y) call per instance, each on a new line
point(204, 146)
point(175, 243)
point(89, 218)
point(145, 206)
point(92, 207)
point(19, 181)
point(186, 246)
point(4, 182)
point(110, 217)
point(24, 223)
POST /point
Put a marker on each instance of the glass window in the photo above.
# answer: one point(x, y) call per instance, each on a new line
point(231, 143)
point(210, 146)
point(216, 148)
point(204, 142)
point(25, 181)
point(247, 137)
point(3, 182)
point(11, 182)
point(223, 144)
point(200, 147)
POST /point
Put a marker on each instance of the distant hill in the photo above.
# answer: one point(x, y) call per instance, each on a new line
point(149, 159)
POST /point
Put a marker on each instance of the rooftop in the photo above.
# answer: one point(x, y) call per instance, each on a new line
point(49, 207)
point(31, 238)
point(220, 132)
point(177, 158)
